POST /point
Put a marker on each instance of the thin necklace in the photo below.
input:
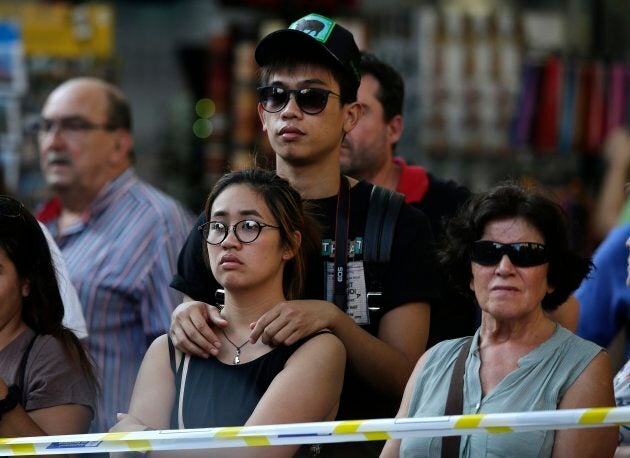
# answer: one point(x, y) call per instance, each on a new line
point(237, 359)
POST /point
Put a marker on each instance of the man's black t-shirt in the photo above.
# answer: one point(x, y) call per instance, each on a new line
point(410, 276)
point(441, 201)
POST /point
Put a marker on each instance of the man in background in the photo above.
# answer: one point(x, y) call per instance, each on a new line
point(367, 153)
point(119, 236)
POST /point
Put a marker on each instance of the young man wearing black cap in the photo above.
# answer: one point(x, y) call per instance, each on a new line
point(309, 81)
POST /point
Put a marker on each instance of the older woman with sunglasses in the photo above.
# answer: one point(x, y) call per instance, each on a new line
point(258, 239)
point(47, 383)
point(509, 247)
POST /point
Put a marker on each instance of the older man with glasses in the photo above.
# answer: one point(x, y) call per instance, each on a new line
point(119, 236)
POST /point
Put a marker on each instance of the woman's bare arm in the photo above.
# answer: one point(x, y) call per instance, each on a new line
point(153, 393)
point(593, 388)
point(307, 389)
point(392, 446)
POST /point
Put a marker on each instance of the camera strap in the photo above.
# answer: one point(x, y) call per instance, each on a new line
point(341, 244)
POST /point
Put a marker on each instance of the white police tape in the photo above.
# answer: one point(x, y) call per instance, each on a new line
point(315, 433)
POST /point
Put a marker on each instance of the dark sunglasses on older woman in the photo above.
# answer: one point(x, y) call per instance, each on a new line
point(523, 254)
point(311, 100)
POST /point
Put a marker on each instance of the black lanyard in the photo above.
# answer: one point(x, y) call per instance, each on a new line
point(341, 244)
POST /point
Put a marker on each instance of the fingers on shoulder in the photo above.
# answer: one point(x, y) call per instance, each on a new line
point(214, 315)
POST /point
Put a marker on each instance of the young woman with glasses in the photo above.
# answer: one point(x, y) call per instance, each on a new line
point(509, 247)
point(256, 243)
point(47, 383)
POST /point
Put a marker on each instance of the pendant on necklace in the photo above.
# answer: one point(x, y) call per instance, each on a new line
point(237, 357)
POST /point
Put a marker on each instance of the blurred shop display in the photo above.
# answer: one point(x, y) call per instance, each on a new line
point(495, 89)
point(13, 86)
point(42, 44)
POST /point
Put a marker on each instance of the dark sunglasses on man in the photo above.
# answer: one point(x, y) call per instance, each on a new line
point(311, 100)
point(523, 254)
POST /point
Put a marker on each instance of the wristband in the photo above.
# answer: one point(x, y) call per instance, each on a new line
point(10, 401)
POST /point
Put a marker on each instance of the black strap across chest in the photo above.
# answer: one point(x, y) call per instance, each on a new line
point(382, 216)
point(341, 244)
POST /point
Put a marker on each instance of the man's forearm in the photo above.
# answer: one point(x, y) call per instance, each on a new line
point(386, 362)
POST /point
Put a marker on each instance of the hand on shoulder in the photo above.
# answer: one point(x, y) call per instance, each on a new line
point(290, 321)
point(191, 330)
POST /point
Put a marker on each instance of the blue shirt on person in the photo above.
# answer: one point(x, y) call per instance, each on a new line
point(121, 256)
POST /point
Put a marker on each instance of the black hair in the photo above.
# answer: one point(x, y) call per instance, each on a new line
point(391, 92)
point(291, 214)
point(24, 243)
point(567, 268)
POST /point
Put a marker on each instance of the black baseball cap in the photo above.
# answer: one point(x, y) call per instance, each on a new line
point(313, 34)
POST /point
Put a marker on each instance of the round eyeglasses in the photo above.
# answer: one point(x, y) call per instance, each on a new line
point(311, 100)
point(246, 231)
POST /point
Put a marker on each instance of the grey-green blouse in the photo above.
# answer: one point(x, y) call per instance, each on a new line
point(542, 378)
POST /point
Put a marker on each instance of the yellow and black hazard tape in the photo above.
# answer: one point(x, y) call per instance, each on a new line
point(314, 433)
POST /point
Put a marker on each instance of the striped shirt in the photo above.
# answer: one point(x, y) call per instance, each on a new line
point(121, 256)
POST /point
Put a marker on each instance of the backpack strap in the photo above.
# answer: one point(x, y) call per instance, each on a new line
point(21, 373)
point(381, 221)
point(455, 400)
point(382, 217)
